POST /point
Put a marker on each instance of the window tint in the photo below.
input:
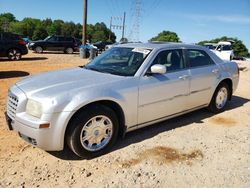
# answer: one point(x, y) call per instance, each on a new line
point(10, 36)
point(199, 58)
point(52, 39)
point(227, 47)
point(68, 39)
point(172, 59)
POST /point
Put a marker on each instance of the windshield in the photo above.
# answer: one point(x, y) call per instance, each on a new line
point(119, 61)
point(47, 38)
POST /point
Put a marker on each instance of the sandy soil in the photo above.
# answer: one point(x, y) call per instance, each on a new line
point(198, 149)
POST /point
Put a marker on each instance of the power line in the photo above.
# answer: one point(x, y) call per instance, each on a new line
point(135, 31)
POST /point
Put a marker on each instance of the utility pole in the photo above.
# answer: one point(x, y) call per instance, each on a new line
point(110, 28)
point(117, 22)
point(123, 25)
point(84, 26)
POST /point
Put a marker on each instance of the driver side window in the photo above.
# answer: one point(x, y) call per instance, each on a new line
point(172, 59)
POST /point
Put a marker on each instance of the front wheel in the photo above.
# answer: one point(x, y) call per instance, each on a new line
point(14, 54)
point(69, 50)
point(220, 98)
point(93, 131)
point(39, 49)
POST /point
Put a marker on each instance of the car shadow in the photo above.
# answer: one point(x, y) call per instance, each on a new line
point(33, 58)
point(56, 52)
point(12, 74)
point(25, 59)
point(151, 131)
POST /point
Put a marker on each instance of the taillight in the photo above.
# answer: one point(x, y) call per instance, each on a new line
point(21, 42)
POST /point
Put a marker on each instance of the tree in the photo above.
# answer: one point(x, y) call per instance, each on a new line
point(29, 26)
point(166, 36)
point(56, 27)
point(239, 48)
point(99, 32)
point(39, 33)
point(68, 28)
point(5, 20)
point(17, 27)
point(124, 39)
point(39, 29)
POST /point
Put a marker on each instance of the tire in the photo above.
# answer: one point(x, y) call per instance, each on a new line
point(220, 98)
point(69, 50)
point(99, 125)
point(39, 49)
point(14, 54)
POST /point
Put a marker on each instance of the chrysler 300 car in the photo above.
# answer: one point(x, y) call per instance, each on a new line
point(127, 87)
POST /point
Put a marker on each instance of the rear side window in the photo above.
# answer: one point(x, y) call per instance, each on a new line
point(66, 39)
point(10, 36)
point(198, 58)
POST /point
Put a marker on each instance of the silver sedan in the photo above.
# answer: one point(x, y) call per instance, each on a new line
point(128, 87)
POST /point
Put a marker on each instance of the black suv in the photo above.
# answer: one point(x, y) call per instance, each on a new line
point(101, 45)
point(12, 46)
point(56, 43)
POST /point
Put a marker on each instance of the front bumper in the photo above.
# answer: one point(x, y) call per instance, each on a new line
point(49, 139)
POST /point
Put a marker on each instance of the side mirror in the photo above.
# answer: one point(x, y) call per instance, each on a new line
point(158, 69)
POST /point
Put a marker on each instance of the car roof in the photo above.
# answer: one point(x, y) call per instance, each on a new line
point(160, 45)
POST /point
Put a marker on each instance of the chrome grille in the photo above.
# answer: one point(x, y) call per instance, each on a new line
point(12, 105)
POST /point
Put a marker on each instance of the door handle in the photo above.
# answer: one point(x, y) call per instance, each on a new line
point(183, 77)
point(215, 71)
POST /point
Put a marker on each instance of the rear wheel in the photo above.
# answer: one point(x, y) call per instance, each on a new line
point(39, 49)
point(69, 50)
point(93, 131)
point(14, 54)
point(220, 98)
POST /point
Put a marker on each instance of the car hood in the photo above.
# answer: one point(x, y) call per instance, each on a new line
point(64, 81)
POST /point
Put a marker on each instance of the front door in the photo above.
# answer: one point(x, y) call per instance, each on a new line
point(161, 95)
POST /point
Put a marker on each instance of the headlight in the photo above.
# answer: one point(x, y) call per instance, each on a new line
point(32, 43)
point(34, 108)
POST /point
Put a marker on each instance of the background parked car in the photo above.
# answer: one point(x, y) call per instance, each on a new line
point(68, 45)
point(12, 46)
point(101, 45)
point(224, 50)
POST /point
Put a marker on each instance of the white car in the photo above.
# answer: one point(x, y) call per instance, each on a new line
point(224, 51)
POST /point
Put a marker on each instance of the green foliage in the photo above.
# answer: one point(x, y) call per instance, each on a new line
point(124, 40)
point(238, 46)
point(5, 20)
point(166, 36)
point(39, 33)
point(37, 29)
point(99, 32)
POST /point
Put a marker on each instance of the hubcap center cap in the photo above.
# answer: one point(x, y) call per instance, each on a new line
point(96, 133)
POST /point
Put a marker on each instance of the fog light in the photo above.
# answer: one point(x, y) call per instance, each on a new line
point(44, 126)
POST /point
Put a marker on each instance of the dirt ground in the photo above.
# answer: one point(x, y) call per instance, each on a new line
point(198, 149)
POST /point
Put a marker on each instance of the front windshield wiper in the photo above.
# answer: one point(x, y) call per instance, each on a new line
point(92, 68)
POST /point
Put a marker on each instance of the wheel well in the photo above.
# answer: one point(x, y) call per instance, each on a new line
point(111, 104)
point(13, 48)
point(230, 85)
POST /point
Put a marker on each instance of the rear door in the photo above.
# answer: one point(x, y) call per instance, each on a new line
point(161, 95)
point(204, 74)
